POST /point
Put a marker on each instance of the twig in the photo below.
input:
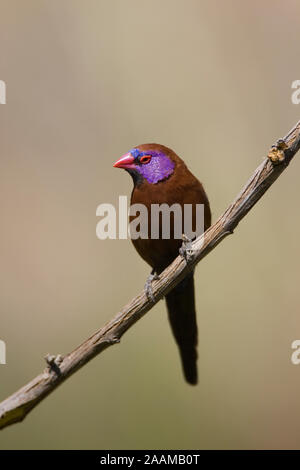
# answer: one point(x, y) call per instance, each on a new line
point(59, 368)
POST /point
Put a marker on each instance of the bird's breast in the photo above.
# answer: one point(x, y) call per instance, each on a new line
point(157, 249)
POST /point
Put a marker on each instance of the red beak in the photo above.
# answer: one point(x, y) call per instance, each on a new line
point(126, 161)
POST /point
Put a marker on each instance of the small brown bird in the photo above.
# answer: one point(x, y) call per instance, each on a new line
point(159, 177)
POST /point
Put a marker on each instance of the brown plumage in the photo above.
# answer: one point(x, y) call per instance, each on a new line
point(181, 187)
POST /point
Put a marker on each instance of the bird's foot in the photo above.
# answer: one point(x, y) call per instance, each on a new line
point(186, 249)
point(148, 286)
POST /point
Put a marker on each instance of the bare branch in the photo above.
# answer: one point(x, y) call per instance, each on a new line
point(59, 368)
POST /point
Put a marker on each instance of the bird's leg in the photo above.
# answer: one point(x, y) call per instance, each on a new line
point(186, 249)
point(148, 286)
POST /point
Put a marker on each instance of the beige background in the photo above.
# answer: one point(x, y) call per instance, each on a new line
point(86, 81)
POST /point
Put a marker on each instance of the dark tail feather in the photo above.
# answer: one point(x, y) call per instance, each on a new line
point(182, 316)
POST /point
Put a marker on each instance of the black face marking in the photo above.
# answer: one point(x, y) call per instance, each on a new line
point(135, 175)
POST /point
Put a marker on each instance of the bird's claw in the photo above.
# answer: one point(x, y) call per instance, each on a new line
point(148, 286)
point(186, 249)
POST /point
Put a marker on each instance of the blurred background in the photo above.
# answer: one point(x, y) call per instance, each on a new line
point(87, 81)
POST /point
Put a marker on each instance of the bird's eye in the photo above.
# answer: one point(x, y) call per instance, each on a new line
point(145, 159)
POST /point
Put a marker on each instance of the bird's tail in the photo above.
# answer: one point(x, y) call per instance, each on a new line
point(182, 316)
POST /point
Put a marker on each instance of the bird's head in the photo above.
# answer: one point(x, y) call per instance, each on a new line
point(150, 162)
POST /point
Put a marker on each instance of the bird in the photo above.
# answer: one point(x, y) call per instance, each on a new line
point(160, 176)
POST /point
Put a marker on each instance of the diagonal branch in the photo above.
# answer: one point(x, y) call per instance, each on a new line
point(18, 405)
